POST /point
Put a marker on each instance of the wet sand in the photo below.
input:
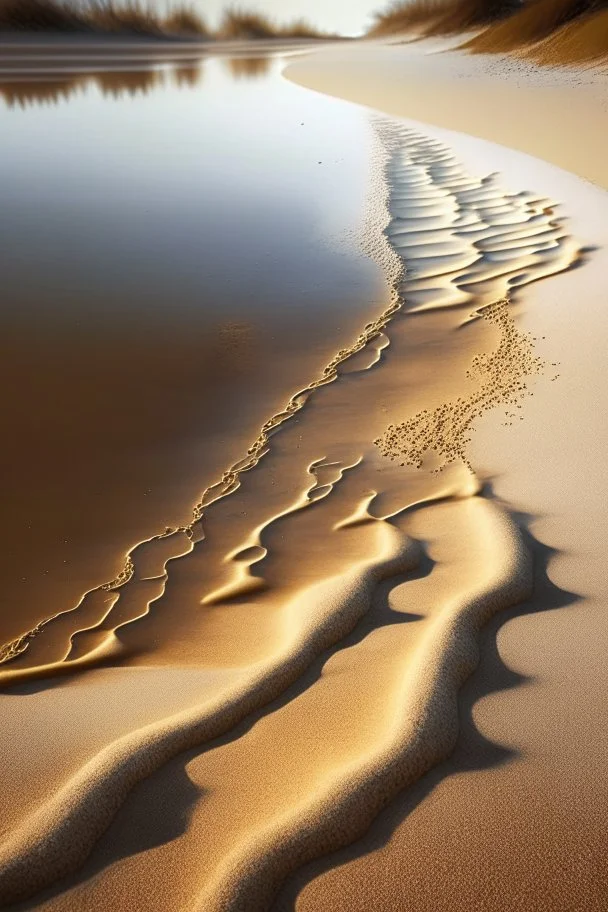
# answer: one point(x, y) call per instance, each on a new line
point(266, 677)
point(541, 110)
point(164, 321)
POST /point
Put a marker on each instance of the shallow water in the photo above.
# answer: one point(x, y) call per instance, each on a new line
point(177, 258)
point(333, 573)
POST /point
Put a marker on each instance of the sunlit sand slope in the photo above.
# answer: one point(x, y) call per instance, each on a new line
point(318, 615)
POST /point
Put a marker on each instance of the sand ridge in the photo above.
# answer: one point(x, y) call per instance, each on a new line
point(285, 569)
point(517, 817)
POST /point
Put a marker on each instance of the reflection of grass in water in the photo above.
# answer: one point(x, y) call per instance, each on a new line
point(136, 82)
point(24, 94)
point(111, 83)
point(248, 67)
point(188, 75)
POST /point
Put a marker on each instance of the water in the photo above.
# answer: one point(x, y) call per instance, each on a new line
point(179, 253)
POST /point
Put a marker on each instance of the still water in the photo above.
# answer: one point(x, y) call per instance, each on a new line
point(178, 255)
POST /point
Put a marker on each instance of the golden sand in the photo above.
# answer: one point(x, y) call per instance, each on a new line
point(516, 818)
point(320, 588)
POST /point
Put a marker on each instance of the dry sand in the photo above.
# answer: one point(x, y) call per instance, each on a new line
point(517, 817)
point(558, 114)
point(298, 666)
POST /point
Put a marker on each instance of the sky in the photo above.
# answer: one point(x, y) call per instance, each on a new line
point(348, 17)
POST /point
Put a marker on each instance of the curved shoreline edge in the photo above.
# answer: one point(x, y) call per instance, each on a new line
point(552, 114)
point(57, 839)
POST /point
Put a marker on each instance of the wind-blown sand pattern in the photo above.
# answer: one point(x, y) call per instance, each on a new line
point(345, 587)
point(447, 427)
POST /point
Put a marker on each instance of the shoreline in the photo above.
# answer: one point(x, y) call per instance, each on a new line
point(516, 748)
point(551, 113)
point(497, 571)
point(347, 589)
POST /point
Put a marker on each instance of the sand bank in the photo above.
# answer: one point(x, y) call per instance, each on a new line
point(517, 817)
point(289, 661)
point(285, 583)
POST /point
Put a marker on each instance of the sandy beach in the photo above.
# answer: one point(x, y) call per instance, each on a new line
point(305, 586)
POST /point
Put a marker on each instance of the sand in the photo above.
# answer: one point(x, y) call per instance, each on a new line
point(539, 110)
point(291, 661)
point(517, 817)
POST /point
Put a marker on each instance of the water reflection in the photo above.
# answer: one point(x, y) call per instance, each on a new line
point(115, 84)
point(134, 83)
point(47, 92)
point(172, 268)
point(188, 74)
point(248, 67)
point(52, 88)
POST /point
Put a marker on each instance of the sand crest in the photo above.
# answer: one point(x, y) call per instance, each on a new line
point(279, 586)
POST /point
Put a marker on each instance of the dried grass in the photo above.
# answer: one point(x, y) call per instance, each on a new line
point(130, 17)
point(440, 17)
point(534, 22)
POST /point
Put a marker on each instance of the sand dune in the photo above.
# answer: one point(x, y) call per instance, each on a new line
point(534, 22)
point(289, 554)
point(584, 40)
point(517, 817)
point(421, 726)
point(552, 32)
point(439, 17)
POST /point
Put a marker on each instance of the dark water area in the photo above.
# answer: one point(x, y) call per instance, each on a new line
point(177, 258)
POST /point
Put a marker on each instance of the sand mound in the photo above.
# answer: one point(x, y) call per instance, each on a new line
point(267, 612)
point(537, 20)
point(440, 17)
point(582, 40)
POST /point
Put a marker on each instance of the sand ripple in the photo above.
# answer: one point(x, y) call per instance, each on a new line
point(286, 555)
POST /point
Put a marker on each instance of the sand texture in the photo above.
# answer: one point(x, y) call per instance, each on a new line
point(516, 818)
point(553, 113)
point(253, 688)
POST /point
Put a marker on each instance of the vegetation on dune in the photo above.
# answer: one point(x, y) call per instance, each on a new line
point(550, 31)
point(41, 15)
point(404, 17)
point(471, 14)
point(98, 16)
point(240, 24)
point(112, 16)
point(237, 23)
point(582, 39)
point(436, 17)
point(184, 21)
point(302, 28)
point(135, 17)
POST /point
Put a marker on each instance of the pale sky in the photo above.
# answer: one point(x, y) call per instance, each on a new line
point(349, 17)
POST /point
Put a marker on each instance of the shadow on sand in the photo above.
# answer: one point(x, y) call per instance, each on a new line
point(473, 751)
point(144, 821)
